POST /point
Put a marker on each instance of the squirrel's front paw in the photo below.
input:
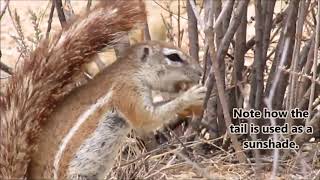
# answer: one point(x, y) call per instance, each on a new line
point(195, 95)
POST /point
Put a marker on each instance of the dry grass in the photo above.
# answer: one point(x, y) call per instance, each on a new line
point(169, 161)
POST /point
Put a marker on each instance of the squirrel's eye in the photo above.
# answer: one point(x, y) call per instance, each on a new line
point(174, 57)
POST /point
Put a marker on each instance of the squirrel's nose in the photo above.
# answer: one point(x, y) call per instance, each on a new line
point(199, 70)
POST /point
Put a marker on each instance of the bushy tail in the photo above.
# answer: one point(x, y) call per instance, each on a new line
point(39, 83)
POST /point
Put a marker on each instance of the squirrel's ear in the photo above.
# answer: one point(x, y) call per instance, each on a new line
point(145, 53)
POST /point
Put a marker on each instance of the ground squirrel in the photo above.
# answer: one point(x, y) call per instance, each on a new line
point(81, 131)
point(89, 148)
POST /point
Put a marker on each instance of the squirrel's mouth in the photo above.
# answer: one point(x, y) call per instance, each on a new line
point(183, 85)
point(177, 87)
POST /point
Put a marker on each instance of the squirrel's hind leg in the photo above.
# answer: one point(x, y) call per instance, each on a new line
point(97, 154)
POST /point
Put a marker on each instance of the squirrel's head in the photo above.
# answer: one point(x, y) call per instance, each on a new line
point(165, 67)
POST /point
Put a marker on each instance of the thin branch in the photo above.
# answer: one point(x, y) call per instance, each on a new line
point(50, 19)
point(168, 10)
point(278, 19)
point(62, 17)
point(293, 90)
point(196, 14)
point(222, 14)
point(306, 56)
point(5, 68)
point(299, 74)
point(89, 5)
point(218, 14)
point(269, 102)
point(234, 25)
point(192, 33)
point(288, 33)
point(268, 26)
point(257, 72)
point(227, 15)
point(240, 51)
point(3, 10)
point(179, 32)
point(315, 61)
point(169, 29)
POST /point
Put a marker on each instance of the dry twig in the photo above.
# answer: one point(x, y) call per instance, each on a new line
point(62, 17)
point(50, 19)
point(3, 10)
point(315, 60)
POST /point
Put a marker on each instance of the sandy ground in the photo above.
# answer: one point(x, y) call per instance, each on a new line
point(8, 44)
